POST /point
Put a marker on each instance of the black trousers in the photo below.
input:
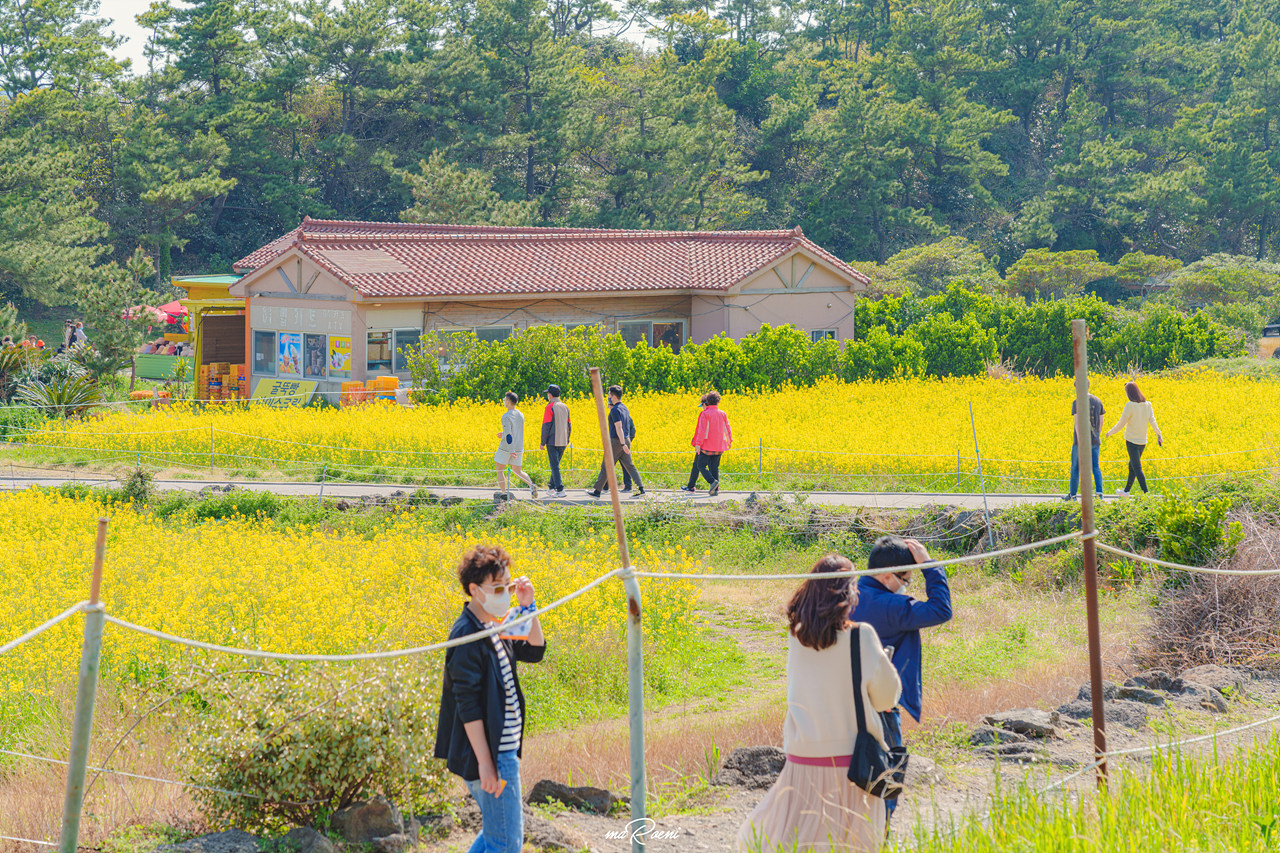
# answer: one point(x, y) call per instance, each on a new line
point(706, 464)
point(628, 468)
point(1135, 466)
point(553, 456)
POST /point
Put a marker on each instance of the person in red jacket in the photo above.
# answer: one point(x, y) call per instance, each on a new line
point(711, 438)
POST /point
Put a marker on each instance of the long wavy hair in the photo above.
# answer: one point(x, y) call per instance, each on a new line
point(820, 608)
point(1131, 390)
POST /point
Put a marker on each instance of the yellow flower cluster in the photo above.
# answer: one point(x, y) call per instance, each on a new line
point(913, 429)
point(245, 583)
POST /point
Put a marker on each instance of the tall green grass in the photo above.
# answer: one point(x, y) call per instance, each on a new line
point(1203, 803)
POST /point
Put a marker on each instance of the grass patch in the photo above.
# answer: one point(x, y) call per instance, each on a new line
point(1184, 803)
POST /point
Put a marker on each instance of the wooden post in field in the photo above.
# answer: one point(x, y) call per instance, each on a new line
point(1084, 447)
point(635, 635)
point(82, 727)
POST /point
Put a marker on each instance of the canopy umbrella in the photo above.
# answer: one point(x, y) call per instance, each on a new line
point(146, 312)
point(174, 309)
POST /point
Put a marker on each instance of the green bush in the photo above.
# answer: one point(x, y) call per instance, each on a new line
point(955, 347)
point(1195, 532)
point(953, 333)
point(304, 742)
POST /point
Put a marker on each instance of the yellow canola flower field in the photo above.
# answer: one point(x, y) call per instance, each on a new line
point(917, 431)
point(244, 583)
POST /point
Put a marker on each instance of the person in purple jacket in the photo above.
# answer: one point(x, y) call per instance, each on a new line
point(884, 604)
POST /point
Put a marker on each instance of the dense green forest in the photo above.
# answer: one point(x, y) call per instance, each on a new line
point(877, 125)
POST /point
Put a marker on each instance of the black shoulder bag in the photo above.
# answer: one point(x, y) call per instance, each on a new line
point(878, 772)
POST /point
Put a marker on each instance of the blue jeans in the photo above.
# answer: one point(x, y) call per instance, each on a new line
point(503, 816)
point(890, 805)
point(1075, 470)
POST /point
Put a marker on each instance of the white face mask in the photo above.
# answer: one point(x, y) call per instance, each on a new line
point(496, 604)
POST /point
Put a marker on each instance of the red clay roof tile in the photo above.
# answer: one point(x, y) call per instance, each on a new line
point(389, 259)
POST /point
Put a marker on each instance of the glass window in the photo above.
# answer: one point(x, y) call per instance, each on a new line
point(634, 333)
point(378, 352)
point(453, 343)
point(405, 339)
point(669, 335)
point(315, 356)
point(823, 335)
point(264, 353)
point(493, 334)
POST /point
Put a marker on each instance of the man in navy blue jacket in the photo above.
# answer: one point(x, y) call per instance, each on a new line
point(883, 603)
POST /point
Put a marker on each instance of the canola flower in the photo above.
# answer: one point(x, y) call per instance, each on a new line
point(916, 431)
point(242, 582)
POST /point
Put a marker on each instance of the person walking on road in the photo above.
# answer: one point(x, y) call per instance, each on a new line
point(711, 438)
point(813, 805)
point(1138, 416)
point(1096, 411)
point(884, 604)
point(511, 446)
point(620, 432)
point(555, 437)
point(480, 733)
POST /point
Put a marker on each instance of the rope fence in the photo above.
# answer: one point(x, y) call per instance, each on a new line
point(620, 573)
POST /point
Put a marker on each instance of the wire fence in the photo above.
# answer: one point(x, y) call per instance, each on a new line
point(615, 574)
point(456, 467)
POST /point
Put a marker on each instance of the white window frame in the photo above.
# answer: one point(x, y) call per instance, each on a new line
point(395, 346)
point(648, 335)
point(816, 335)
point(275, 352)
point(378, 371)
point(684, 330)
point(511, 330)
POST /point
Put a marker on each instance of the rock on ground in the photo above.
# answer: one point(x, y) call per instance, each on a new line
point(1109, 691)
point(1121, 712)
point(1019, 752)
point(1156, 679)
point(231, 841)
point(538, 831)
point(1028, 721)
point(363, 823)
point(751, 767)
point(1201, 697)
point(583, 798)
point(396, 843)
point(1227, 681)
point(304, 839)
point(990, 735)
point(1141, 694)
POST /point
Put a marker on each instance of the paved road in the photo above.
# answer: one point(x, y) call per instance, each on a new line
point(876, 500)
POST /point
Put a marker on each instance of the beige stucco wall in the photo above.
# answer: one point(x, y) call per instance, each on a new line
point(798, 290)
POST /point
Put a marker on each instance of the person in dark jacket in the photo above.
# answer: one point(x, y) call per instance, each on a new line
point(884, 604)
point(621, 431)
point(482, 709)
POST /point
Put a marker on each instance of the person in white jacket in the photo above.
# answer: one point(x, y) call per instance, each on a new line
point(813, 806)
point(1136, 419)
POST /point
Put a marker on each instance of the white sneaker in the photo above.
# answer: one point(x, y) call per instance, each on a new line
point(560, 493)
point(1122, 493)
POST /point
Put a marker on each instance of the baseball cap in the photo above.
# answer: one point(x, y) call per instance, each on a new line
point(553, 390)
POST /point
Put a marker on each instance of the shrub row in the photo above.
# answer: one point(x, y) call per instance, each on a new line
point(955, 333)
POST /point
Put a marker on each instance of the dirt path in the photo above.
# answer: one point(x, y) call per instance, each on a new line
point(709, 818)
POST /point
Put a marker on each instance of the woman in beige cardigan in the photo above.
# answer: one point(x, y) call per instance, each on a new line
point(813, 806)
point(1137, 417)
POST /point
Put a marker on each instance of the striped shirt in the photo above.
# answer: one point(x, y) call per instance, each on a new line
point(512, 722)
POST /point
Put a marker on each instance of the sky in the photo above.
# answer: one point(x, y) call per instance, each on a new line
point(122, 14)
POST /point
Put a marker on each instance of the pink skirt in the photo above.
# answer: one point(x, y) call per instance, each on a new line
point(813, 809)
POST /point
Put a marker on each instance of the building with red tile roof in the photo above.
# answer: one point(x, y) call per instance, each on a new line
point(369, 288)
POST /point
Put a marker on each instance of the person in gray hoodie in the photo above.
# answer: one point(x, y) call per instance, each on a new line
point(511, 446)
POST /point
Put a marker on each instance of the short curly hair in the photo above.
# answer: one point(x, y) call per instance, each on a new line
point(482, 563)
